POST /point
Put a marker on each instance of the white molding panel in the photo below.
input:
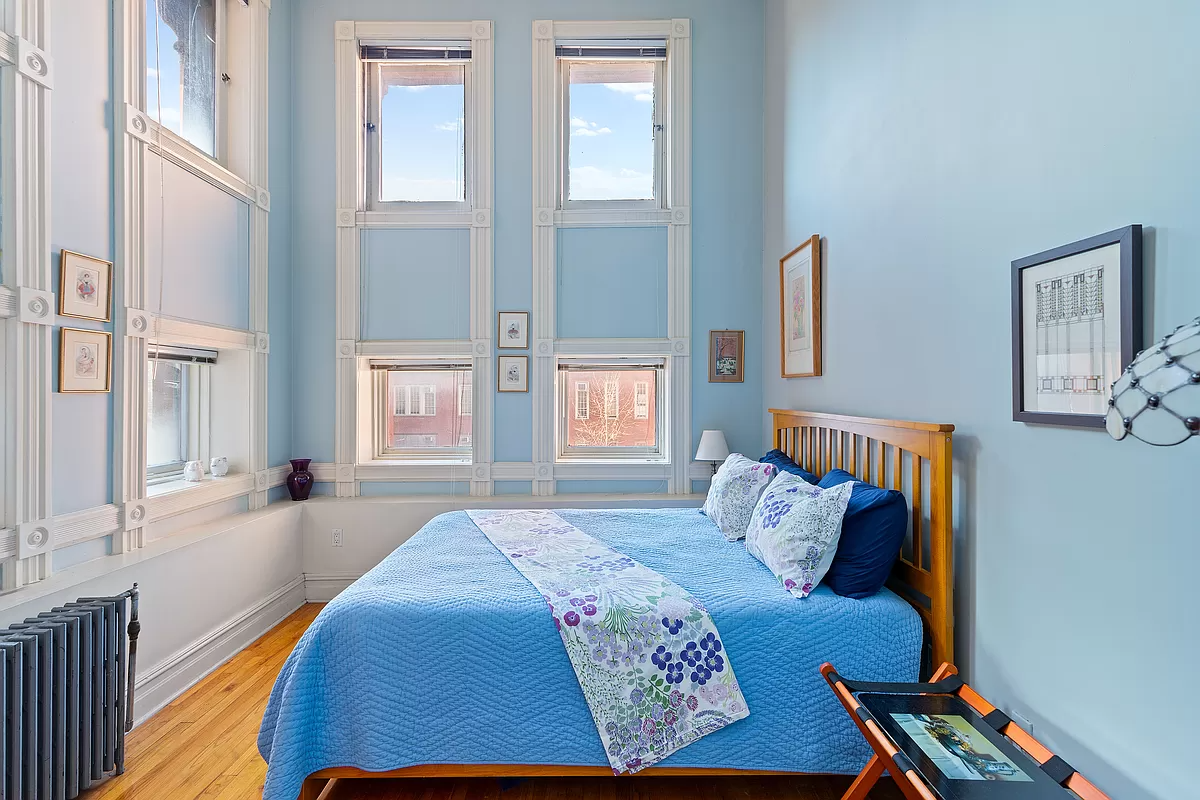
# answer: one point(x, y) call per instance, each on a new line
point(352, 218)
point(25, 471)
point(548, 216)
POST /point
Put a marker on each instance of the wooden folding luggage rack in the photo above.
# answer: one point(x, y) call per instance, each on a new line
point(888, 756)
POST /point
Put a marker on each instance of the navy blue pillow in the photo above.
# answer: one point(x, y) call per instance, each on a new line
point(873, 532)
point(784, 463)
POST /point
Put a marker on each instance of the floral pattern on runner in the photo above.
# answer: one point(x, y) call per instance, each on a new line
point(649, 658)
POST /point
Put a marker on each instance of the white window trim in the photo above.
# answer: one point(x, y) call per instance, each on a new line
point(622, 206)
point(676, 216)
point(352, 438)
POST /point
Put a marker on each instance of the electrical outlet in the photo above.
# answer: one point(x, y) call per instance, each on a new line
point(1022, 722)
point(337, 537)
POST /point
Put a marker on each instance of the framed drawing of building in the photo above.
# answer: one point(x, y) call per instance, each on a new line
point(1076, 323)
point(800, 311)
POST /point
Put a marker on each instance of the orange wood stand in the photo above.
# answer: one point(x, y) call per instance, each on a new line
point(910, 782)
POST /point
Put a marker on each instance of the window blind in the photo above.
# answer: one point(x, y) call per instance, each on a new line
point(610, 49)
point(419, 366)
point(191, 355)
point(425, 51)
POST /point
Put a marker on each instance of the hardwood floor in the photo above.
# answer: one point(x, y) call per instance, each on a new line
point(203, 745)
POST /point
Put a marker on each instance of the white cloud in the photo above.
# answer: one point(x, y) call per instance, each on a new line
point(594, 183)
point(576, 122)
point(590, 132)
point(453, 126)
point(418, 88)
point(151, 72)
point(170, 116)
point(421, 189)
point(642, 92)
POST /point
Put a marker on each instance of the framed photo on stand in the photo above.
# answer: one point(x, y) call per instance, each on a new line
point(800, 311)
point(1076, 323)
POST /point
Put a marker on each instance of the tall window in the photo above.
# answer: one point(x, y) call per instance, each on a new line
point(612, 125)
point(629, 425)
point(422, 410)
point(177, 424)
point(183, 49)
point(416, 123)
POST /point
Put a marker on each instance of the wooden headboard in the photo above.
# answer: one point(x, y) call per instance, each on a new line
point(913, 458)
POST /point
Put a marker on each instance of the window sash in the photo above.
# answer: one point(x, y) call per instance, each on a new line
point(194, 419)
point(568, 389)
point(658, 125)
point(419, 401)
point(373, 132)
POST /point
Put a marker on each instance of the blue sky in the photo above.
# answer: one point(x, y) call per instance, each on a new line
point(611, 150)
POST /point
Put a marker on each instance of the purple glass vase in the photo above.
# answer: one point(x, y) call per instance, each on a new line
point(300, 480)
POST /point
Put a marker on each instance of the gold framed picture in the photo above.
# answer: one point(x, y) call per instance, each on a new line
point(84, 361)
point(800, 311)
point(84, 287)
point(726, 354)
point(512, 374)
point(512, 330)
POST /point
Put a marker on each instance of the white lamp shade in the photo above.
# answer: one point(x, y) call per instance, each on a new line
point(712, 447)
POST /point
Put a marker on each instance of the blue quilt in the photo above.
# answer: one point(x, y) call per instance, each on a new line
point(445, 653)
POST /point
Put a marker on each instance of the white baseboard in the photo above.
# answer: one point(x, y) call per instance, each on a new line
point(158, 686)
point(323, 587)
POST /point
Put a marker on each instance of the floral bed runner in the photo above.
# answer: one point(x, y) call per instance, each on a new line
point(647, 654)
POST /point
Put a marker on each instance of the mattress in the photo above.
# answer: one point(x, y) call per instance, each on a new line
point(445, 653)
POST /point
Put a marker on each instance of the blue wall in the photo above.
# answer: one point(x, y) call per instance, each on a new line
point(726, 209)
point(930, 144)
point(416, 284)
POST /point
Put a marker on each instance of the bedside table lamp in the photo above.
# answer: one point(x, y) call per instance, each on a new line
point(1157, 398)
point(712, 448)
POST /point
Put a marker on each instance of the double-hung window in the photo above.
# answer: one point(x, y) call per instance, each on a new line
point(628, 426)
point(612, 126)
point(178, 400)
point(184, 55)
point(416, 128)
point(421, 410)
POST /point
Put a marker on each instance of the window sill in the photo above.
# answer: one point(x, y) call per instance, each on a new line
point(180, 485)
point(177, 497)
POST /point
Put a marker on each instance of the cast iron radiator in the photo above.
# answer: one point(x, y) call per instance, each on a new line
point(66, 696)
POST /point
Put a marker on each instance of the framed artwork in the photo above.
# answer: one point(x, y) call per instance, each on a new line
point(1076, 323)
point(513, 374)
point(726, 354)
point(513, 330)
point(84, 287)
point(800, 311)
point(84, 360)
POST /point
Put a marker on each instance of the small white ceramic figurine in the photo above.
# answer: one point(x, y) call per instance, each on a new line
point(193, 471)
point(219, 467)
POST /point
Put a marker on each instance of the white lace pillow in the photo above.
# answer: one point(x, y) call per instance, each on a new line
point(795, 530)
point(734, 493)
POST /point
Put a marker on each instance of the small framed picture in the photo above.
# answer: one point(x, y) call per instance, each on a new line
point(84, 287)
point(1076, 323)
point(84, 360)
point(726, 352)
point(513, 330)
point(513, 374)
point(800, 311)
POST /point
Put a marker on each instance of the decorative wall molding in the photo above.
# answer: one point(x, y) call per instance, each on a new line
point(676, 217)
point(137, 323)
point(168, 330)
point(83, 526)
point(26, 482)
point(352, 217)
point(8, 302)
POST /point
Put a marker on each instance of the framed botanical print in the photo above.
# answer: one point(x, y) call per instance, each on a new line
point(513, 330)
point(84, 360)
point(1076, 323)
point(513, 374)
point(84, 287)
point(726, 354)
point(800, 311)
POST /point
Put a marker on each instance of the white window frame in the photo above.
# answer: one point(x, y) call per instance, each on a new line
point(658, 129)
point(566, 392)
point(196, 423)
point(583, 392)
point(641, 400)
point(382, 404)
point(372, 179)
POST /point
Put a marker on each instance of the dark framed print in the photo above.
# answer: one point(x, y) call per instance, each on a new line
point(726, 354)
point(84, 361)
point(512, 374)
point(800, 311)
point(1076, 323)
point(512, 330)
point(84, 287)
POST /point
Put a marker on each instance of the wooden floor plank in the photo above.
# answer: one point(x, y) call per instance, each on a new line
point(203, 746)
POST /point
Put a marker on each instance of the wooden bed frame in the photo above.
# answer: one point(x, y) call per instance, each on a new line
point(911, 457)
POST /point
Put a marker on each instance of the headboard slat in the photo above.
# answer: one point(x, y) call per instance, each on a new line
point(819, 442)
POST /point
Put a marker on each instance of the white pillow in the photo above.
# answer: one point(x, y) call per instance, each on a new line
point(795, 530)
point(734, 493)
